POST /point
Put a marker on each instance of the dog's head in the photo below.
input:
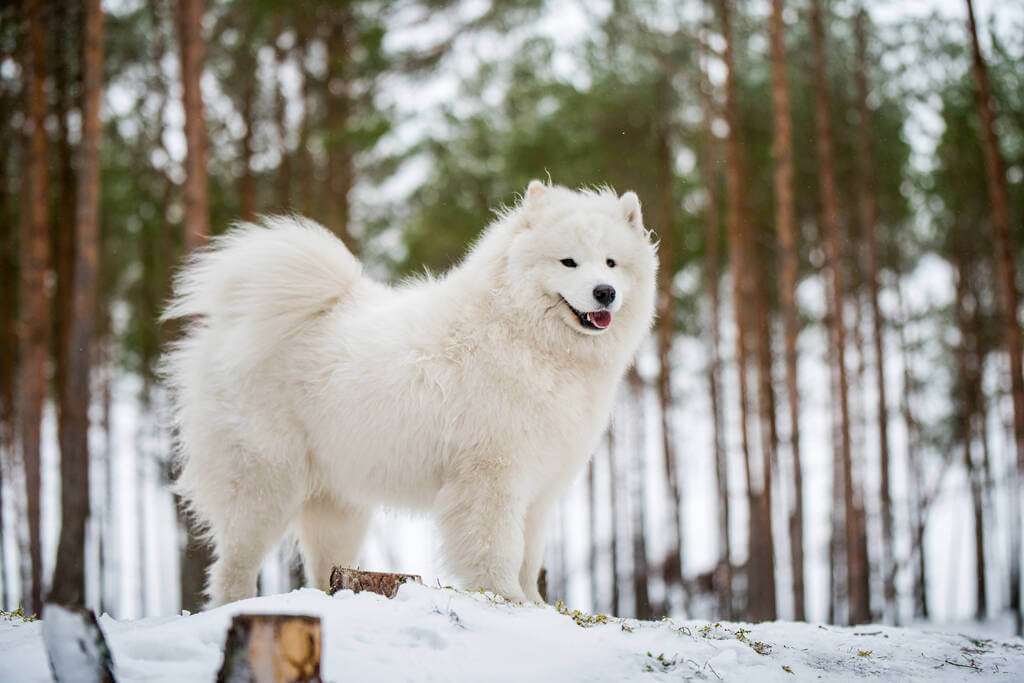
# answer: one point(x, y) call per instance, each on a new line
point(585, 260)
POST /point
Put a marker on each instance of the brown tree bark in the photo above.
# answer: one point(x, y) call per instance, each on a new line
point(1003, 255)
point(672, 574)
point(67, 24)
point(916, 498)
point(709, 161)
point(190, 37)
point(246, 179)
point(69, 575)
point(196, 554)
point(869, 226)
point(760, 561)
point(785, 224)
point(969, 383)
point(306, 171)
point(337, 95)
point(8, 301)
point(284, 169)
point(856, 563)
point(356, 580)
point(34, 314)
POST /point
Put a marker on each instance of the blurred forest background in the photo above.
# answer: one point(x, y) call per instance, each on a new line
point(827, 422)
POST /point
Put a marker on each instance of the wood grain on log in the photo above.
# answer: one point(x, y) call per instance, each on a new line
point(271, 648)
point(382, 583)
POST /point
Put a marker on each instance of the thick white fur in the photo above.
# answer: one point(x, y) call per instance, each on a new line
point(305, 394)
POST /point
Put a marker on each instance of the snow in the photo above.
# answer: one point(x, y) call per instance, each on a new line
point(439, 634)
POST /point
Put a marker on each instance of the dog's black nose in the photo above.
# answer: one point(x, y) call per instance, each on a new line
point(605, 294)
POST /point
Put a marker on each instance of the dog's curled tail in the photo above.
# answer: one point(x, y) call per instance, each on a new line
point(269, 278)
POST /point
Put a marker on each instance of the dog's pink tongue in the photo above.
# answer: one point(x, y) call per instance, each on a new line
point(601, 319)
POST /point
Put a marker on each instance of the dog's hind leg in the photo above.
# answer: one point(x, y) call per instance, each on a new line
point(330, 534)
point(246, 513)
point(241, 544)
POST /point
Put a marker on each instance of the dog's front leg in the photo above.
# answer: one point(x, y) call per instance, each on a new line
point(482, 527)
point(537, 516)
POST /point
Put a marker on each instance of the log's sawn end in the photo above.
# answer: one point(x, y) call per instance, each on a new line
point(272, 648)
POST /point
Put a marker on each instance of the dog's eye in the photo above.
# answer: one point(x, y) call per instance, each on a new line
point(610, 262)
point(568, 263)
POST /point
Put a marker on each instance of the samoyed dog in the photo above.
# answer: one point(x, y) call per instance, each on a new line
point(306, 394)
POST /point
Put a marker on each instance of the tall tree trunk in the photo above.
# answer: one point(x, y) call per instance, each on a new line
point(340, 164)
point(246, 179)
point(110, 572)
point(785, 223)
point(641, 596)
point(969, 382)
point(709, 161)
point(1003, 254)
point(869, 226)
point(763, 526)
point(672, 574)
point(836, 549)
point(67, 23)
point(613, 508)
point(916, 499)
point(34, 313)
point(196, 554)
point(247, 64)
point(190, 36)
point(304, 159)
point(856, 564)
point(284, 170)
point(982, 473)
point(8, 311)
point(760, 561)
point(69, 576)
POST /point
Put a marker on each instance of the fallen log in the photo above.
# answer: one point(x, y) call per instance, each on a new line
point(75, 646)
point(355, 580)
point(271, 648)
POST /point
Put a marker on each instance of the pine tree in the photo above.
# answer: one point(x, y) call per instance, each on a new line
point(785, 223)
point(34, 305)
point(856, 560)
point(869, 227)
point(1003, 255)
point(69, 576)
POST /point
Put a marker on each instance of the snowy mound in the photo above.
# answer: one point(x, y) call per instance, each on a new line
point(434, 634)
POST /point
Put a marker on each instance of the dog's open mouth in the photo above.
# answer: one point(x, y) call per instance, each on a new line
point(594, 320)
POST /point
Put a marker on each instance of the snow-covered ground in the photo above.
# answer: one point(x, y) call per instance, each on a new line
point(438, 634)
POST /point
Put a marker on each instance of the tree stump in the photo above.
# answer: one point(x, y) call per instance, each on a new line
point(271, 648)
point(382, 583)
point(75, 645)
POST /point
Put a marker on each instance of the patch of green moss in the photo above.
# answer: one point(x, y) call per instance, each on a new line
point(18, 614)
point(582, 619)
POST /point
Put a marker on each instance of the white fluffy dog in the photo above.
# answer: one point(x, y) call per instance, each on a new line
point(306, 394)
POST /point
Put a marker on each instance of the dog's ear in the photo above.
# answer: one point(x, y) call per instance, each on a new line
point(534, 191)
point(630, 204)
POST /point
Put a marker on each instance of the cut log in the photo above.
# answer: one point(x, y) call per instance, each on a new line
point(382, 583)
point(75, 645)
point(271, 648)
